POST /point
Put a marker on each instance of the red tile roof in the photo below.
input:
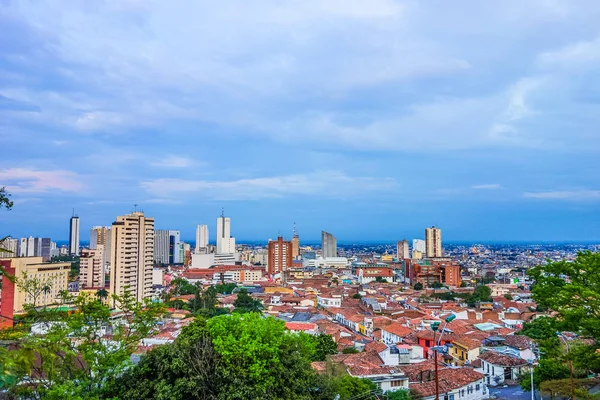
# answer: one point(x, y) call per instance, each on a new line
point(502, 360)
point(449, 379)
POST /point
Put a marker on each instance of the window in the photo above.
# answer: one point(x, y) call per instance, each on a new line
point(451, 397)
point(493, 372)
point(396, 383)
point(462, 393)
point(488, 368)
point(477, 387)
point(427, 343)
point(470, 390)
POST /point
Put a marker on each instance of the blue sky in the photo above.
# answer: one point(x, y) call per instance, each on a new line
point(369, 119)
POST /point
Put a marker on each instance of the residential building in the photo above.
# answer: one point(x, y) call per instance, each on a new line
point(433, 242)
point(54, 275)
point(328, 245)
point(499, 368)
point(465, 350)
point(27, 247)
point(201, 239)
point(418, 245)
point(402, 250)
point(12, 245)
point(132, 255)
point(225, 243)
point(167, 247)
point(92, 268)
point(454, 384)
point(74, 236)
point(101, 235)
point(280, 256)
point(295, 246)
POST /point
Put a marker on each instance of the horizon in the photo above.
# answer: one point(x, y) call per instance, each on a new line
point(365, 119)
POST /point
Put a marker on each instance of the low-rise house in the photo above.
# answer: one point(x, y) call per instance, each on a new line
point(454, 384)
point(306, 327)
point(465, 350)
point(499, 368)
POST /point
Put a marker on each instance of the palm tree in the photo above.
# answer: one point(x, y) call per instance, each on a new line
point(102, 294)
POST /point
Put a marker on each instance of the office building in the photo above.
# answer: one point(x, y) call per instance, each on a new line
point(279, 256)
point(132, 255)
point(92, 268)
point(433, 242)
point(168, 248)
point(418, 245)
point(27, 247)
point(99, 235)
point(74, 236)
point(11, 246)
point(402, 250)
point(328, 245)
point(225, 243)
point(55, 276)
point(201, 239)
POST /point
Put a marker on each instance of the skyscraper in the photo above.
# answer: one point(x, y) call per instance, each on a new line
point(132, 254)
point(279, 256)
point(201, 239)
point(91, 270)
point(402, 250)
point(433, 242)
point(419, 245)
point(12, 245)
point(328, 245)
point(225, 243)
point(295, 244)
point(74, 236)
point(167, 247)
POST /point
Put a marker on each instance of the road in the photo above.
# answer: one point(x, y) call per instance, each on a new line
point(510, 393)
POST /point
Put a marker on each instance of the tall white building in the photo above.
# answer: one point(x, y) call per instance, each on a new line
point(418, 245)
point(74, 236)
point(12, 245)
point(201, 238)
point(132, 255)
point(167, 247)
point(402, 250)
point(225, 243)
point(27, 247)
point(328, 245)
point(433, 242)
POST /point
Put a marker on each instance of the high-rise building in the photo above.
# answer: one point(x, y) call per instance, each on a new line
point(12, 247)
point(280, 256)
point(433, 242)
point(27, 247)
point(74, 236)
point(167, 247)
point(45, 247)
point(328, 245)
point(402, 250)
point(91, 268)
point(295, 244)
point(99, 235)
point(225, 243)
point(418, 246)
point(54, 275)
point(201, 239)
point(132, 255)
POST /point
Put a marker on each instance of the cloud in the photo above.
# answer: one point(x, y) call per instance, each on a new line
point(565, 195)
point(173, 162)
point(489, 186)
point(318, 184)
point(22, 180)
point(574, 55)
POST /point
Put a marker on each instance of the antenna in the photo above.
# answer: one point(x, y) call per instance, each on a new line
point(135, 207)
point(294, 230)
point(222, 212)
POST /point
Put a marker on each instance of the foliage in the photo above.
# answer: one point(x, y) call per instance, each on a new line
point(546, 370)
point(349, 386)
point(463, 284)
point(70, 358)
point(563, 388)
point(246, 304)
point(350, 350)
point(401, 394)
point(5, 201)
point(324, 346)
point(182, 287)
point(225, 288)
point(508, 297)
point(437, 285)
point(418, 286)
point(481, 293)
point(572, 289)
point(356, 296)
point(380, 279)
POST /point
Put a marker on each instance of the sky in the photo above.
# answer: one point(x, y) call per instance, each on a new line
point(369, 119)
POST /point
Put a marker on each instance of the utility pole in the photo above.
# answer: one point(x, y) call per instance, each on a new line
point(570, 364)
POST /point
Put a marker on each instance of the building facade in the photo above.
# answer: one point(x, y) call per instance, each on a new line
point(132, 257)
point(201, 239)
point(225, 243)
point(402, 250)
point(74, 236)
point(92, 268)
point(12, 245)
point(433, 242)
point(167, 247)
point(328, 245)
point(279, 256)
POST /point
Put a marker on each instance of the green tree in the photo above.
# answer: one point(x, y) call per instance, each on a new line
point(356, 296)
point(5, 201)
point(246, 304)
point(324, 346)
point(508, 297)
point(463, 284)
point(401, 394)
point(350, 350)
point(181, 287)
point(349, 387)
point(572, 290)
point(71, 358)
point(418, 286)
point(225, 288)
point(437, 285)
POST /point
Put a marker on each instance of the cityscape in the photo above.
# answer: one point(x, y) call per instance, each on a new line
point(299, 200)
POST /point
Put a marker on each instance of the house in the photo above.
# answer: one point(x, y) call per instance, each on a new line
point(333, 301)
point(465, 350)
point(515, 345)
point(394, 333)
point(306, 327)
point(454, 383)
point(499, 368)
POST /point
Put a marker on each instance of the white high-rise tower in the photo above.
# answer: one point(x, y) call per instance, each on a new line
point(74, 235)
point(201, 238)
point(225, 243)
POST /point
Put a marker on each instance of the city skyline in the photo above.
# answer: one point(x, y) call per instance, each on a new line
point(376, 118)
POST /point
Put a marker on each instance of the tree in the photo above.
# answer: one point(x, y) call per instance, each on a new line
point(463, 284)
point(380, 279)
point(102, 294)
point(350, 350)
point(5, 201)
point(572, 290)
point(336, 281)
point(225, 288)
point(418, 286)
point(246, 304)
point(508, 297)
point(72, 358)
point(437, 285)
point(181, 286)
point(481, 293)
point(356, 296)
point(324, 346)
point(401, 394)
point(349, 387)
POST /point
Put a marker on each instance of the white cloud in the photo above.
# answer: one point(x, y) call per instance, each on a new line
point(565, 195)
point(572, 56)
point(489, 186)
point(319, 184)
point(22, 180)
point(173, 161)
